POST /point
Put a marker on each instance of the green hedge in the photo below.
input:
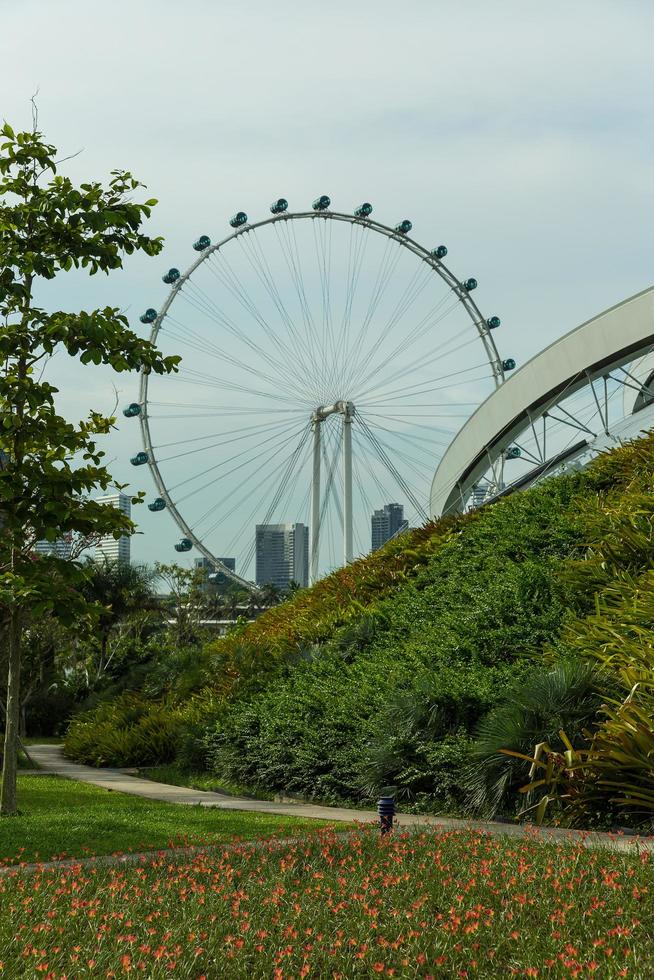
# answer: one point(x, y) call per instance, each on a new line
point(381, 673)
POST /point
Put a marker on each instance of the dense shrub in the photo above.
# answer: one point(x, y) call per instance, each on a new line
point(381, 673)
point(126, 732)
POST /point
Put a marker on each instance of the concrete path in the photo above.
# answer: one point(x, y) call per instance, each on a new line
point(51, 759)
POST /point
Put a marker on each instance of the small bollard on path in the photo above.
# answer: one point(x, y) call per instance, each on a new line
point(386, 811)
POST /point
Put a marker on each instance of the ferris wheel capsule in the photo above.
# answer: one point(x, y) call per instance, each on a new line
point(440, 252)
point(203, 242)
point(469, 285)
point(238, 219)
point(508, 364)
point(184, 545)
point(131, 410)
point(171, 276)
point(321, 203)
point(404, 227)
point(513, 452)
point(363, 210)
point(139, 459)
point(149, 316)
point(157, 504)
point(279, 206)
point(493, 322)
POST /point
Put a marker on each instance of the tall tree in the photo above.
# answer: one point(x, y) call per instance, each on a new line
point(120, 590)
point(50, 466)
point(188, 601)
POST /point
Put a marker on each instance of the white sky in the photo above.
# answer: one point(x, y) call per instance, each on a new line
point(519, 133)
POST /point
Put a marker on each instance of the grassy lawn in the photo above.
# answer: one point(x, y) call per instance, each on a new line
point(173, 775)
point(63, 818)
point(440, 905)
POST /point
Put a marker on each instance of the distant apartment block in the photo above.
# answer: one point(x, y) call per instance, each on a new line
point(386, 523)
point(282, 554)
point(109, 548)
point(61, 548)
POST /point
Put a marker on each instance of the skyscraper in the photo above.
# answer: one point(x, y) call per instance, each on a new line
point(386, 523)
point(61, 548)
point(108, 548)
point(282, 554)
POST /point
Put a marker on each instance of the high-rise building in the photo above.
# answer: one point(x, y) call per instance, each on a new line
point(282, 554)
point(61, 548)
point(109, 548)
point(386, 523)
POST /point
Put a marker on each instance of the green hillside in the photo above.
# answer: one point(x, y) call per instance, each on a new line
point(414, 666)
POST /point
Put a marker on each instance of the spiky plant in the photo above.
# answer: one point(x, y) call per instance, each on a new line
point(561, 697)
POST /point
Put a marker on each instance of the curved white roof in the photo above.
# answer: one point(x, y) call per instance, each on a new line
point(611, 338)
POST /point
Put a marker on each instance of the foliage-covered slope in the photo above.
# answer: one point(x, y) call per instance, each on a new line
point(381, 673)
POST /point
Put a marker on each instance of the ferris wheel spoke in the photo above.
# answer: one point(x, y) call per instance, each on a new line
point(232, 280)
point(243, 432)
point(436, 316)
point(319, 355)
point(209, 309)
point(289, 250)
point(392, 469)
point(409, 297)
point(265, 483)
point(401, 416)
point(215, 381)
point(377, 397)
point(423, 456)
point(294, 354)
point(357, 251)
point(216, 466)
point(223, 442)
point(212, 310)
point(223, 269)
point(438, 353)
point(387, 267)
point(262, 268)
point(323, 243)
point(417, 464)
point(195, 339)
point(223, 356)
point(282, 486)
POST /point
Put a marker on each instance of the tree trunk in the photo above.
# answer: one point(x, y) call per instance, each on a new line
point(8, 802)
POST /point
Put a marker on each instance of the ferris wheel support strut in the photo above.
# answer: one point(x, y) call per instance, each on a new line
point(315, 501)
point(347, 483)
point(347, 410)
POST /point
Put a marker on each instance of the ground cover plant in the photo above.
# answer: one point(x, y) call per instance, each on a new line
point(440, 905)
point(60, 818)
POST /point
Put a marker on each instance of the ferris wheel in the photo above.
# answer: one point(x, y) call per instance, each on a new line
point(327, 361)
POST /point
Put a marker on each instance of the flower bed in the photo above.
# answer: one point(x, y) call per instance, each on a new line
point(435, 905)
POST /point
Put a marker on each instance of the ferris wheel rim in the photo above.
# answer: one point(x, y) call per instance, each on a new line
point(424, 254)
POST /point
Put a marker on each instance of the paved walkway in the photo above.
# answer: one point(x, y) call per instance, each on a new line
point(51, 759)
